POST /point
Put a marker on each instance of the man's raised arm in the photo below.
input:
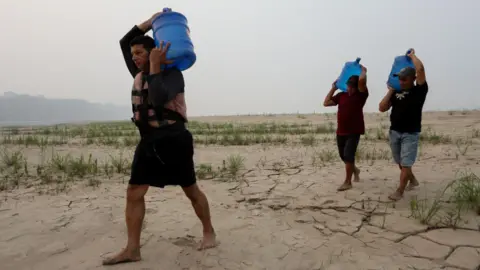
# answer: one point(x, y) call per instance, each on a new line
point(421, 77)
point(330, 99)
point(137, 30)
point(362, 80)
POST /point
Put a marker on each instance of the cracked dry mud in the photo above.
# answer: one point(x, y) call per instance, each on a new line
point(273, 218)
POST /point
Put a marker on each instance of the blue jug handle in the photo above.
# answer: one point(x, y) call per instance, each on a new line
point(166, 9)
point(358, 60)
point(408, 52)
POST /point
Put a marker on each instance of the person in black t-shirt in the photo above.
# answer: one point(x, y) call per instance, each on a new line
point(406, 121)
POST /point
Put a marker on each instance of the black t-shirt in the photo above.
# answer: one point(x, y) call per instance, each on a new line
point(407, 109)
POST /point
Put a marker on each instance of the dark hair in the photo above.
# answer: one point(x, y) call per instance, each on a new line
point(147, 42)
point(353, 81)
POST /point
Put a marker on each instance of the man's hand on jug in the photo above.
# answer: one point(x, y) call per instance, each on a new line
point(411, 53)
point(150, 21)
point(390, 88)
point(158, 56)
point(147, 25)
point(334, 85)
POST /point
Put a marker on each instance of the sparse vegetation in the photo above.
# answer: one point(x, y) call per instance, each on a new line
point(228, 171)
point(463, 145)
point(286, 171)
point(466, 191)
point(430, 136)
point(459, 197)
point(64, 169)
point(124, 134)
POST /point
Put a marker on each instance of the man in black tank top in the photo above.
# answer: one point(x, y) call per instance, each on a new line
point(164, 155)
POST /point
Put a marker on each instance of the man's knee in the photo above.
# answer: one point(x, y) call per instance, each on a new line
point(193, 192)
point(341, 152)
point(407, 162)
point(395, 148)
point(349, 155)
point(349, 159)
point(407, 171)
point(408, 156)
point(136, 192)
point(409, 149)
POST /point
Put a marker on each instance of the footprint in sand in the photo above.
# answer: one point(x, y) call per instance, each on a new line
point(187, 241)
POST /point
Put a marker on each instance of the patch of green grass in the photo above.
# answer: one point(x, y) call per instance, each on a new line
point(323, 157)
point(448, 206)
point(432, 137)
point(205, 171)
point(425, 210)
point(466, 191)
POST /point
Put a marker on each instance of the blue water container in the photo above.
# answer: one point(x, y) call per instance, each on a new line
point(349, 69)
point(399, 62)
point(173, 27)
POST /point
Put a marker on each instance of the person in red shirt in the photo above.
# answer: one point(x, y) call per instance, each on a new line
point(350, 123)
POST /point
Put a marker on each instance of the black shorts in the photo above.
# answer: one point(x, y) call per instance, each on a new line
point(347, 146)
point(164, 161)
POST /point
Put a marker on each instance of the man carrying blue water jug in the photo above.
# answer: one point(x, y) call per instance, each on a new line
point(350, 122)
point(164, 155)
point(406, 120)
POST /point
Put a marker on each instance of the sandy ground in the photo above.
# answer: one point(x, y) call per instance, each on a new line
point(284, 214)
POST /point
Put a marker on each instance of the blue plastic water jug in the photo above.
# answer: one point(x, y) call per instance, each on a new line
point(399, 62)
point(349, 69)
point(173, 27)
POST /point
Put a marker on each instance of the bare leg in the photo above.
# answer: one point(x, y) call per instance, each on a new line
point(202, 209)
point(356, 174)
point(413, 182)
point(134, 214)
point(405, 175)
point(349, 170)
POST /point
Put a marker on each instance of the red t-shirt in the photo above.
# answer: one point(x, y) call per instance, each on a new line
point(350, 112)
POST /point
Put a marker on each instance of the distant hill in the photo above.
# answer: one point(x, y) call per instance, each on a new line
point(17, 109)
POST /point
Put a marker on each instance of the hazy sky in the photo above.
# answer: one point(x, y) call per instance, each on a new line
point(263, 56)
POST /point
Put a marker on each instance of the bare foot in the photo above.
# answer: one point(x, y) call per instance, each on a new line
point(356, 175)
point(209, 241)
point(125, 256)
point(413, 183)
point(344, 186)
point(395, 196)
